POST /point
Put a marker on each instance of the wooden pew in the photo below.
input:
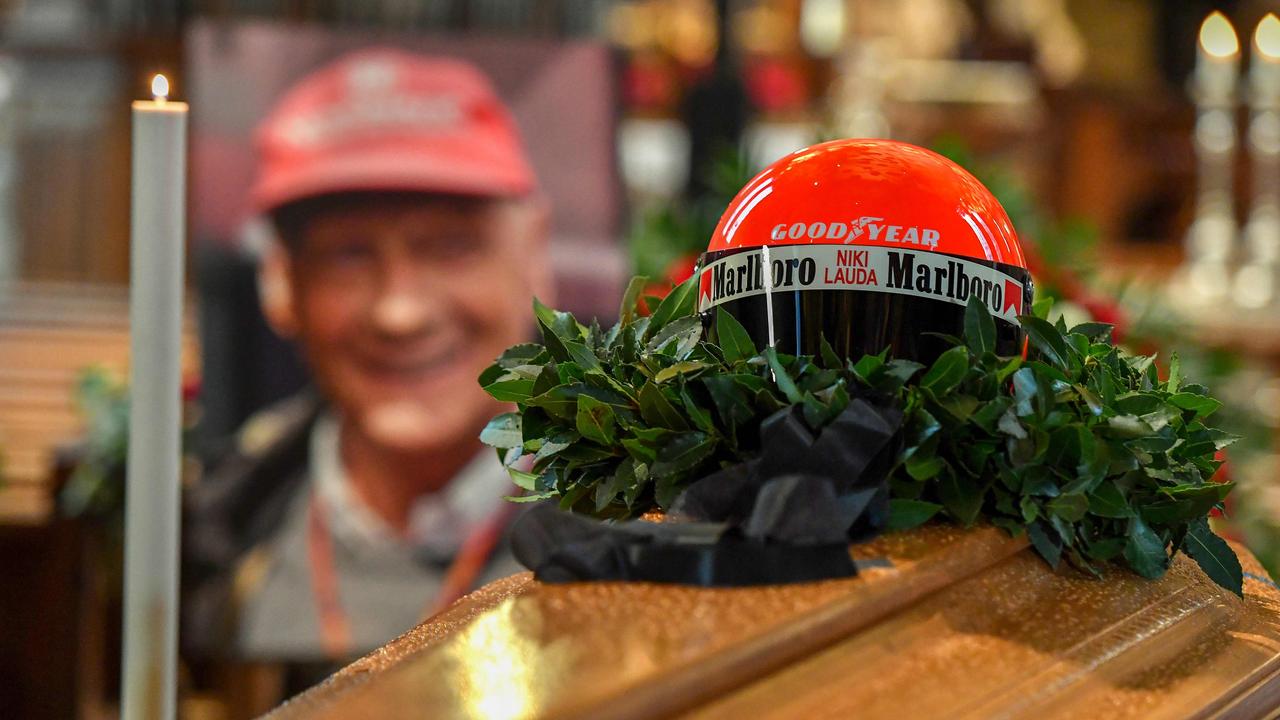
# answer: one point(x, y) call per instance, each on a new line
point(50, 333)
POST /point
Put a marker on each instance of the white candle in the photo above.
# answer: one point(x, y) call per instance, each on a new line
point(1264, 65)
point(1217, 62)
point(155, 316)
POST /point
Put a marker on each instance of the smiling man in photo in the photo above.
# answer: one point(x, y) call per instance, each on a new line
point(410, 239)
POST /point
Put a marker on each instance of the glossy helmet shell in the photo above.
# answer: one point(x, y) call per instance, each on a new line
point(872, 244)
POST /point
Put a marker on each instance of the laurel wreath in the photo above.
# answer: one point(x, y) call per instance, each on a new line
point(1081, 446)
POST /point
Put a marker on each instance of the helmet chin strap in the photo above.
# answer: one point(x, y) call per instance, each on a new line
point(767, 273)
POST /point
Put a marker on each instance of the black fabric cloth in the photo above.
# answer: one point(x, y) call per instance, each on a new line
point(562, 547)
point(786, 516)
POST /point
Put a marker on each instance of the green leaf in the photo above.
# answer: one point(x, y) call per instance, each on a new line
point(867, 366)
point(922, 467)
point(1092, 400)
point(781, 378)
point(640, 450)
point(947, 371)
point(1184, 502)
point(683, 453)
point(547, 379)
point(627, 310)
point(1175, 373)
point(1222, 438)
point(658, 411)
point(1070, 507)
point(1144, 550)
point(961, 496)
point(1009, 368)
point(570, 498)
point(584, 356)
point(513, 390)
point(1048, 545)
point(1030, 509)
point(1215, 557)
point(503, 431)
point(522, 354)
point(734, 341)
point(906, 514)
point(683, 332)
point(595, 420)
point(829, 358)
point(491, 374)
point(1047, 339)
point(1128, 426)
point(608, 489)
point(523, 480)
point(554, 344)
point(730, 399)
point(1039, 480)
point(959, 406)
point(979, 327)
point(678, 303)
point(681, 368)
point(535, 497)
point(1106, 549)
point(631, 494)
point(555, 443)
point(562, 401)
point(900, 372)
point(1093, 330)
point(989, 413)
point(1108, 501)
point(699, 416)
point(1201, 405)
point(556, 327)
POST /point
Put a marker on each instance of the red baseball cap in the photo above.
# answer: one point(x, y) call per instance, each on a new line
point(383, 119)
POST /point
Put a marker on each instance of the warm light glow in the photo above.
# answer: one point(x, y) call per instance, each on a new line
point(160, 88)
point(1267, 37)
point(1217, 37)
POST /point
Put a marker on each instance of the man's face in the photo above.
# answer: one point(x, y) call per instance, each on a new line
point(400, 304)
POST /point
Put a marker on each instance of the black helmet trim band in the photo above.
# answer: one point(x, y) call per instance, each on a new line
point(862, 268)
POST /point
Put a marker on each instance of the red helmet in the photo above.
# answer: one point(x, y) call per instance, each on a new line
point(872, 244)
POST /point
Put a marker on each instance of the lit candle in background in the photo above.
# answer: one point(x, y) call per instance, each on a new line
point(1256, 280)
point(1264, 65)
point(1217, 62)
point(1212, 236)
point(158, 235)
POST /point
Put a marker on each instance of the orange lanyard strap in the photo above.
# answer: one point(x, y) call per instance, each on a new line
point(472, 558)
point(335, 630)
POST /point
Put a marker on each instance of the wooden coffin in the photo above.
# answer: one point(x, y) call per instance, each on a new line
point(956, 624)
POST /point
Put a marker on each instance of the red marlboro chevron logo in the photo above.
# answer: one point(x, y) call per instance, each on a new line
point(704, 290)
point(1013, 297)
point(868, 268)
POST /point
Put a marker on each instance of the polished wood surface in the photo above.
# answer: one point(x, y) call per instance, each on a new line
point(957, 624)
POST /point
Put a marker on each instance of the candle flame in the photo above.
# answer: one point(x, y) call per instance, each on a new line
point(1217, 37)
point(160, 87)
point(1267, 37)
